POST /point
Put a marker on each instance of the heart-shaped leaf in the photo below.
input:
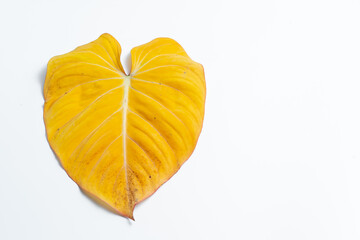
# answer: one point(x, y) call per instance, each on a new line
point(118, 136)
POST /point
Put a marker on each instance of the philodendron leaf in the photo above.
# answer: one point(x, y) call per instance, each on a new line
point(118, 136)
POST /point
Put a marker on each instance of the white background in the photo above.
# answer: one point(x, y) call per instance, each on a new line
point(279, 155)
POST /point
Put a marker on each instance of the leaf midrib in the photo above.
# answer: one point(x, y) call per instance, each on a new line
point(124, 125)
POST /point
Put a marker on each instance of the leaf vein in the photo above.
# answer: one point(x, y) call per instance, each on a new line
point(87, 138)
point(162, 136)
point(102, 156)
point(143, 151)
point(161, 105)
point(88, 106)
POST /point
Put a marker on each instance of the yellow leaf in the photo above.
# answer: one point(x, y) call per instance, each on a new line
point(118, 136)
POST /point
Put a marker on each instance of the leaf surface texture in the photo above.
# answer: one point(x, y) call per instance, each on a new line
point(118, 136)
